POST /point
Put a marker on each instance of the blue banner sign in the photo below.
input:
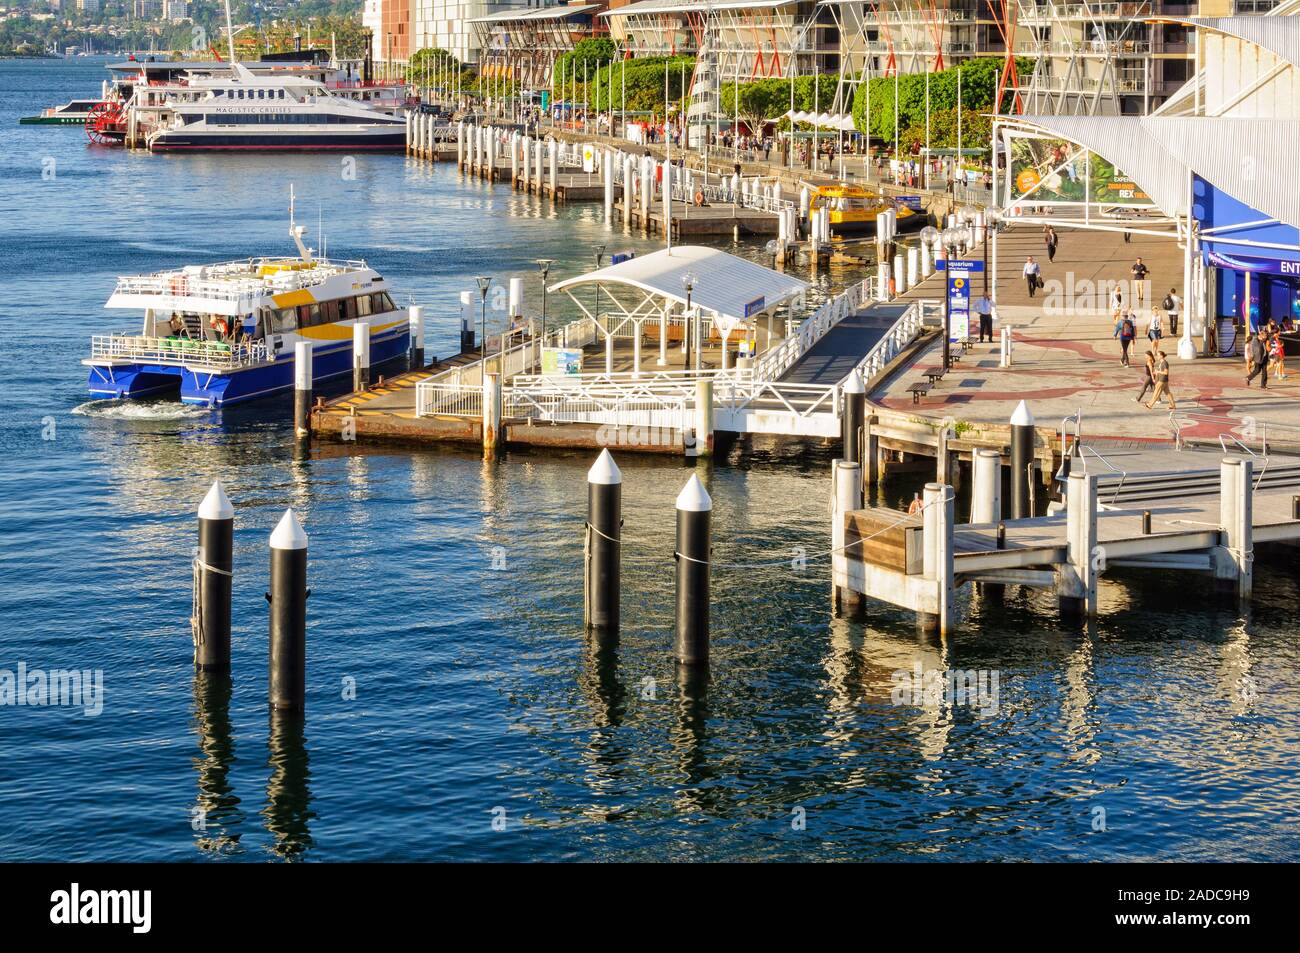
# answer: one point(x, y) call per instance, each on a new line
point(909, 201)
point(755, 306)
point(959, 265)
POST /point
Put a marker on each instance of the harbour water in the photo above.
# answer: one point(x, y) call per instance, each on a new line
point(447, 592)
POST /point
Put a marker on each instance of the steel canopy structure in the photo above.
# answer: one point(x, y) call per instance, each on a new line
point(523, 45)
point(749, 39)
point(1209, 169)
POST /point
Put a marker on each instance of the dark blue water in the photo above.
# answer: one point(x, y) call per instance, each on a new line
point(477, 695)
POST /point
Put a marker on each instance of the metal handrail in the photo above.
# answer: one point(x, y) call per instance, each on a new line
point(1123, 474)
point(177, 351)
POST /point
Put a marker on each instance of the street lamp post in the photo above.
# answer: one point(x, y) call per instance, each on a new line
point(600, 257)
point(950, 237)
point(688, 285)
point(484, 282)
point(992, 216)
point(544, 266)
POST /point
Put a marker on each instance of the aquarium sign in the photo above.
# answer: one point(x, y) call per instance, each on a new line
point(755, 306)
point(959, 302)
point(912, 202)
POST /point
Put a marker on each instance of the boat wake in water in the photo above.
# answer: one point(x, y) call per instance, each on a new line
point(140, 410)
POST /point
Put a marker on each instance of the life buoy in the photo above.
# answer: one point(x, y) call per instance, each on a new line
point(699, 197)
point(220, 325)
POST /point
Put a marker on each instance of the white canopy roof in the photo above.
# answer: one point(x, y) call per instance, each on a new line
point(724, 284)
point(1277, 34)
point(699, 6)
point(1125, 141)
point(839, 121)
point(535, 13)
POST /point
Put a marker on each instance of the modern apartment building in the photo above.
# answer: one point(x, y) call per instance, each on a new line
point(448, 24)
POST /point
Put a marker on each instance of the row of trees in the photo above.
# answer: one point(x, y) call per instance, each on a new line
point(660, 86)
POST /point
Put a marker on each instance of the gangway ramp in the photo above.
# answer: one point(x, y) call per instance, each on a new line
point(843, 347)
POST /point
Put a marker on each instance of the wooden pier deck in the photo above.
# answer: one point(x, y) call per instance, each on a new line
point(387, 412)
point(697, 220)
point(1193, 511)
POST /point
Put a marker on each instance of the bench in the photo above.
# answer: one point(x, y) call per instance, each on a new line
point(934, 375)
point(918, 389)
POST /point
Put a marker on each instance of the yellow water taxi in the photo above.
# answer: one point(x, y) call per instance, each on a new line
point(853, 209)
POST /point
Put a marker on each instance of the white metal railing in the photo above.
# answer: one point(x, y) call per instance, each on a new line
point(616, 408)
point(220, 289)
point(785, 353)
point(448, 399)
point(625, 378)
point(800, 400)
point(234, 281)
point(437, 394)
point(179, 351)
point(902, 333)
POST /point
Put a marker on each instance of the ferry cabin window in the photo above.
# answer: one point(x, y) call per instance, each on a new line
point(363, 306)
point(308, 315)
point(381, 303)
point(284, 320)
point(349, 309)
point(329, 312)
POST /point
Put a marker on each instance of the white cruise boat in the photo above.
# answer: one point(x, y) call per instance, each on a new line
point(243, 110)
point(224, 333)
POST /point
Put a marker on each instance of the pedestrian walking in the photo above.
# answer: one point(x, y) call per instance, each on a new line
point(1155, 328)
point(1148, 375)
point(1256, 360)
point(1277, 350)
point(1126, 331)
point(984, 309)
point(1050, 240)
point(1033, 275)
point(1173, 306)
point(1139, 271)
point(1160, 372)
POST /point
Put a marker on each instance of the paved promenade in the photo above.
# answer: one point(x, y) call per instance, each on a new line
point(1067, 359)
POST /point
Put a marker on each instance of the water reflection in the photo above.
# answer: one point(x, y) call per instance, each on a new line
point(600, 683)
point(288, 810)
point(690, 737)
point(217, 815)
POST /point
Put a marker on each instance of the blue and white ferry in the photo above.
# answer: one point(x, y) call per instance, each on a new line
point(224, 333)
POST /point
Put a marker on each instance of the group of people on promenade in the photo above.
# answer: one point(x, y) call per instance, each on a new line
point(1265, 350)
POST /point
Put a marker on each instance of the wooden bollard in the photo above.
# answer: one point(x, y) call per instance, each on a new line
point(846, 490)
point(693, 554)
point(1076, 589)
point(601, 576)
point(703, 419)
point(360, 356)
point(1022, 455)
point(288, 598)
point(212, 576)
point(491, 413)
point(302, 383)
